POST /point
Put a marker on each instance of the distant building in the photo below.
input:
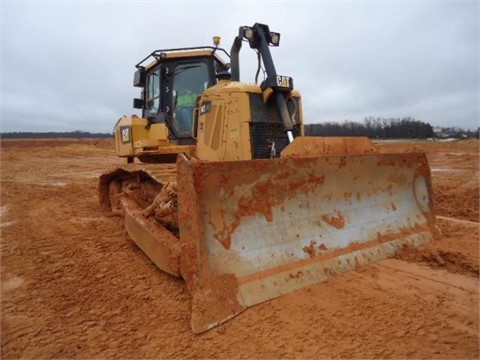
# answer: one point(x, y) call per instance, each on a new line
point(438, 132)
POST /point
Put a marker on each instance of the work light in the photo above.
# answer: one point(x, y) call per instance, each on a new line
point(275, 38)
point(247, 32)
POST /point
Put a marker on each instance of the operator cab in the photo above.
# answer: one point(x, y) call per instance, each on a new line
point(171, 84)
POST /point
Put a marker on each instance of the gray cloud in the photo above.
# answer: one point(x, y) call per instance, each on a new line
point(69, 65)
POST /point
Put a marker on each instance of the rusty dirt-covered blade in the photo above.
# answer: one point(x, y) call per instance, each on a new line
point(254, 230)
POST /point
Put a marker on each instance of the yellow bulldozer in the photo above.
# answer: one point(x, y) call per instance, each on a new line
point(222, 188)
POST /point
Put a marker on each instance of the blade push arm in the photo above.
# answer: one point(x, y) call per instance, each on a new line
point(260, 38)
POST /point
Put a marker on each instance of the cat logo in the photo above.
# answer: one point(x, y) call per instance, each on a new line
point(283, 81)
point(206, 106)
point(125, 132)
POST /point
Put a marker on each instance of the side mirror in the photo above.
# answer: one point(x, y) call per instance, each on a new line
point(138, 103)
point(139, 78)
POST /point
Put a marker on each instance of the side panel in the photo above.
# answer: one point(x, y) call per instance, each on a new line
point(223, 126)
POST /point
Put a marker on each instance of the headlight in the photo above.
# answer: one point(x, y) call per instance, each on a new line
point(275, 38)
point(247, 32)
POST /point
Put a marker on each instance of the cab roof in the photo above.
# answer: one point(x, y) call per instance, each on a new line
point(159, 55)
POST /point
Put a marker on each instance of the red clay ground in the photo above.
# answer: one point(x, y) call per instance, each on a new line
point(75, 286)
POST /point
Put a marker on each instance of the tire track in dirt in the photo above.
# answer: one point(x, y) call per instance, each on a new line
point(461, 221)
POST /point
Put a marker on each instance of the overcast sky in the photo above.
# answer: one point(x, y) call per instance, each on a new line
point(69, 66)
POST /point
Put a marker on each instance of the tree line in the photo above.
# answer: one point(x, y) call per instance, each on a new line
point(54, 135)
point(460, 133)
point(385, 128)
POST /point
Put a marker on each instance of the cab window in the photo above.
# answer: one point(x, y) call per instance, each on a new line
point(190, 80)
point(153, 92)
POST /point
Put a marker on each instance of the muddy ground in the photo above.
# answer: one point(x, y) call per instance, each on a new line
point(74, 286)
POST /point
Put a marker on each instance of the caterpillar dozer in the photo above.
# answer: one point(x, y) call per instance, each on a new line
point(222, 188)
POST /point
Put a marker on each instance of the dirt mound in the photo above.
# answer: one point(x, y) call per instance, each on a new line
point(455, 250)
point(460, 201)
point(452, 261)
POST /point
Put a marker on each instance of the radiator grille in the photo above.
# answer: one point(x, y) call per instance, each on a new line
point(266, 128)
point(263, 135)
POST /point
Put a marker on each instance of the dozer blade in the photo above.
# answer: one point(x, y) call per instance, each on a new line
point(254, 230)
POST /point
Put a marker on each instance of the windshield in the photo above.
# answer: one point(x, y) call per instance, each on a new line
point(189, 81)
